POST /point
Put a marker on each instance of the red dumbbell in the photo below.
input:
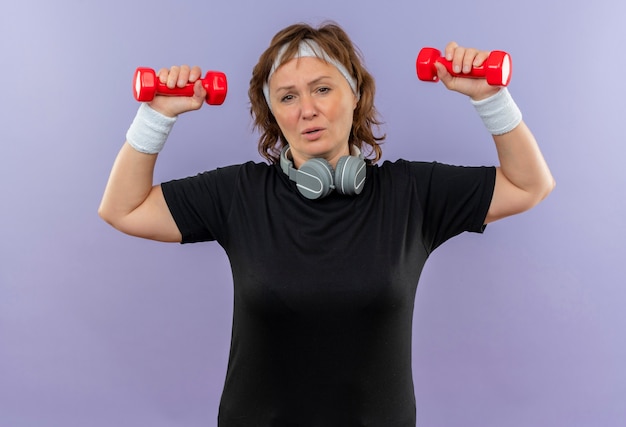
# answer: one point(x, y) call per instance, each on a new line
point(496, 69)
point(146, 85)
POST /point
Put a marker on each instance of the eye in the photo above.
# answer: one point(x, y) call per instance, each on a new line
point(323, 90)
point(286, 98)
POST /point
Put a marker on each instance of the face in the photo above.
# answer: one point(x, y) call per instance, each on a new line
point(314, 107)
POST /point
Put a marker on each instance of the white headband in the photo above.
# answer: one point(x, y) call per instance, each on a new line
point(308, 48)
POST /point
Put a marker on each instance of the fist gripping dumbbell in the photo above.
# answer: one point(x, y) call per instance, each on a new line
point(146, 85)
point(496, 69)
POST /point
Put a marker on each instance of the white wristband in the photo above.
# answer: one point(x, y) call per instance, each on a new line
point(149, 131)
point(499, 112)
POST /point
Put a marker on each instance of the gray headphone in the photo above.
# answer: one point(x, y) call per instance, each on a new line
point(316, 179)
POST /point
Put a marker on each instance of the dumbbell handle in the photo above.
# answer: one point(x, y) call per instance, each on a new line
point(146, 85)
point(496, 69)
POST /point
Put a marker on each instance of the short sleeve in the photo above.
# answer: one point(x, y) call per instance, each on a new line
point(455, 199)
point(200, 204)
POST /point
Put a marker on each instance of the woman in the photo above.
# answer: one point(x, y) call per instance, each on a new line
point(326, 248)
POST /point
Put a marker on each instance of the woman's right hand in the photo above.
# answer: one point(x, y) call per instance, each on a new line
point(179, 76)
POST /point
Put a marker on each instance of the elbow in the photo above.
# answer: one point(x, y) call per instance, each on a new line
point(542, 192)
point(511, 200)
point(548, 187)
point(114, 220)
point(107, 215)
point(532, 197)
point(104, 215)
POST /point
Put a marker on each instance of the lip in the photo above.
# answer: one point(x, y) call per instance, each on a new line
point(312, 134)
point(310, 130)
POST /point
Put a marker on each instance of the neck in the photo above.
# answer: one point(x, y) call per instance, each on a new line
point(331, 158)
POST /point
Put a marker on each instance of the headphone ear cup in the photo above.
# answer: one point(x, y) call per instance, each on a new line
point(350, 175)
point(314, 179)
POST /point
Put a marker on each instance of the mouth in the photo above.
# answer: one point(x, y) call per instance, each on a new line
point(312, 133)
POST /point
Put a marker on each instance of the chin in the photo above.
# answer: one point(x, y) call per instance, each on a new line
point(319, 148)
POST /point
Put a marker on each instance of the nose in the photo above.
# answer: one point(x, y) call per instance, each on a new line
point(308, 109)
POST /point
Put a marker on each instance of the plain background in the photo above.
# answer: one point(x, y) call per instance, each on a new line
point(523, 326)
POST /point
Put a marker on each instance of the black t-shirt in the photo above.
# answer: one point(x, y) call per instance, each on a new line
point(324, 289)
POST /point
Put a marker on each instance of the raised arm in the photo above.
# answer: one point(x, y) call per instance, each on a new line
point(523, 178)
point(131, 203)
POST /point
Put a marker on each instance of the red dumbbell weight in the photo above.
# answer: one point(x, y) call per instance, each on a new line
point(496, 69)
point(146, 85)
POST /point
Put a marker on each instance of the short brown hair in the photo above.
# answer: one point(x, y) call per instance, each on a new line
point(336, 43)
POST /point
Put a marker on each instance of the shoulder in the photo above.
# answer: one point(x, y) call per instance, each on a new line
point(229, 172)
point(248, 167)
point(421, 176)
point(426, 169)
point(402, 169)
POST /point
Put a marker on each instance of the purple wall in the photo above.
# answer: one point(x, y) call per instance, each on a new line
point(523, 326)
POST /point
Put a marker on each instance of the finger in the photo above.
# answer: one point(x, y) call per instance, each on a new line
point(163, 73)
point(449, 50)
point(481, 57)
point(468, 59)
point(199, 92)
point(195, 73)
point(457, 59)
point(444, 76)
point(172, 77)
point(183, 76)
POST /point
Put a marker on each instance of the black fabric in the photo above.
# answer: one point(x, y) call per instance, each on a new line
point(324, 289)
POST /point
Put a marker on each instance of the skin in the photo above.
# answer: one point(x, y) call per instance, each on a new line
point(523, 178)
point(308, 94)
point(130, 202)
point(314, 106)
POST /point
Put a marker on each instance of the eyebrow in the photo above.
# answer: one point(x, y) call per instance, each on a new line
point(311, 83)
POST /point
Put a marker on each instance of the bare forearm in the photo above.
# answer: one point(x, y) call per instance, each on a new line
point(131, 203)
point(129, 184)
point(523, 178)
point(522, 163)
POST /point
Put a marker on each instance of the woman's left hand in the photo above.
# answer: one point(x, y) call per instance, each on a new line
point(463, 59)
